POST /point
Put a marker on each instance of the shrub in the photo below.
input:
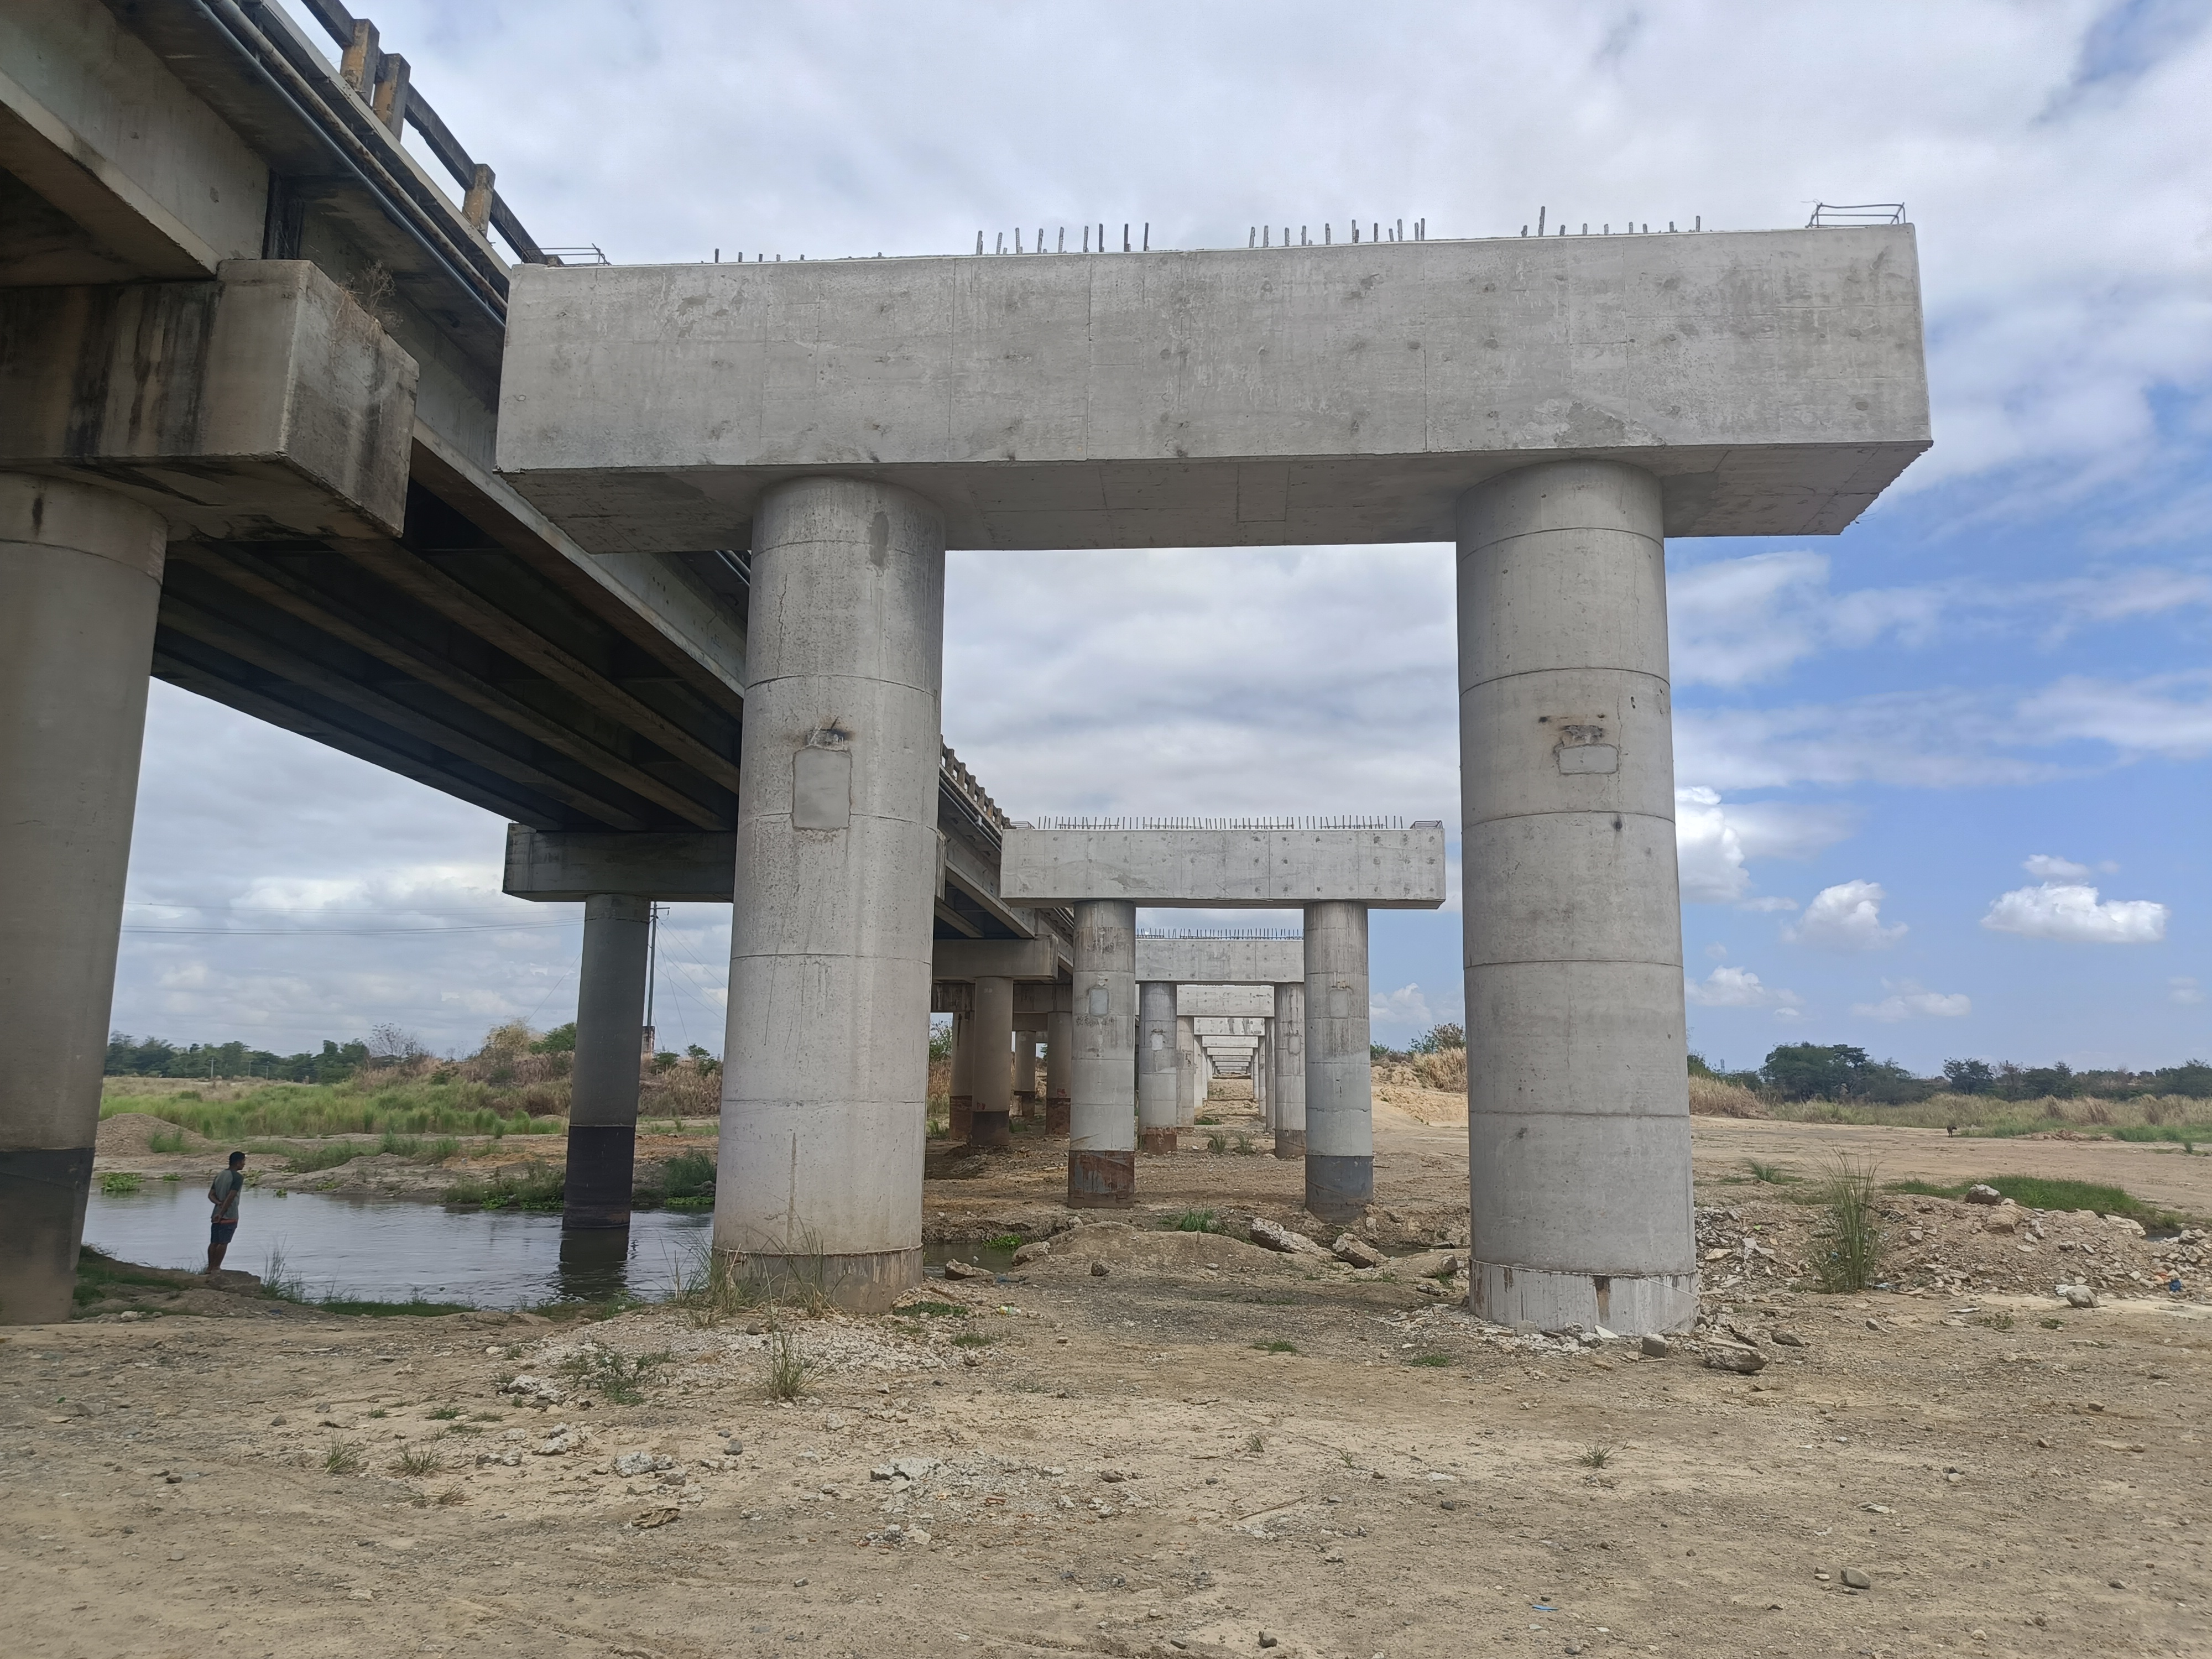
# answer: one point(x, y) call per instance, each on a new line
point(1848, 1246)
point(119, 1181)
point(1712, 1096)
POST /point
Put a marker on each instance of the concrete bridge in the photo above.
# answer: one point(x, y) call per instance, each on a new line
point(296, 420)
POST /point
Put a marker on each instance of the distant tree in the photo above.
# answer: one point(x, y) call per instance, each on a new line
point(2037, 1082)
point(2192, 1078)
point(1805, 1071)
point(392, 1045)
point(1969, 1077)
point(940, 1041)
point(1698, 1068)
point(1438, 1038)
point(561, 1040)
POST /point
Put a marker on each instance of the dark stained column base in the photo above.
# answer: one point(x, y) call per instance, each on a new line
point(865, 1282)
point(602, 1163)
point(1059, 1114)
point(992, 1130)
point(961, 1117)
point(1338, 1188)
point(1101, 1181)
point(1289, 1142)
point(1025, 1105)
point(42, 1196)
point(1155, 1140)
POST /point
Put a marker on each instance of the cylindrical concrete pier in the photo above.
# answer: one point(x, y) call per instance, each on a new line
point(1159, 1068)
point(827, 1076)
point(1191, 1072)
point(603, 1083)
point(1290, 1091)
point(80, 584)
point(1262, 1089)
point(1579, 1129)
point(1340, 1126)
point(1058, 1061)
point(960, 1108)
point(993, 1125)
point(1026, 1073)
point(1101, 1142)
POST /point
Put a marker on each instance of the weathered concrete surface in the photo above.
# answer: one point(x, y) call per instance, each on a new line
point(80, 584)
point(610, 1033)
point(991, 1123)
point(1238, 1025)
point(1249, 1001)
point(1289, 1070)
point(831, 929)
point(1339, 1105)
point(570, 865)
point(265, 405)
point(1227, 869)
point(1190, 1081)
point(1102, 1146)
point(1159, 1068)
point(1217, 968)
point(1579, 1108)
point(1346, 393)
point(1029, 959)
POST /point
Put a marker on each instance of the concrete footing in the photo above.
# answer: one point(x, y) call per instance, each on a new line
point(1578, 1128)
point(1340, 1104)
point(831, 956)
point(1102, 1144)
point(603, 1083)
point(80, 585)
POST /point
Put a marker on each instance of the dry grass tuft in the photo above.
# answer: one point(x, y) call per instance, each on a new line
point(1710, 1097)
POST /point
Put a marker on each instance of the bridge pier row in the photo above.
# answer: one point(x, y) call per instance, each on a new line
point(80, 586)
point(1578, 1128)
point(992, 1123)
point(1160, 1067)
point(1288, 1092)
point(827, 1066)
point(610, 1034)
point(1339, 1130)
point(1101, 1134)
point(1058, 1063)
point(1191, 1072)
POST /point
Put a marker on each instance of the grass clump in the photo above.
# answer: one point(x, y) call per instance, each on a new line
point(163, 1140)
point(615, 1376)
point(2044, 1193)
point(1595, 1456)
point(119, 1181)
point(2052, 1324)
point(1244, 1146)
point(415, 1461)
point(444, 1414)
point(1848, 1244)
point(1197, 1221)
point(2000, 1322)
point(687, 1183)
point(1276, 1345)
point(343, 1457)
point(538, 1188)
point(1772, 1174)
point(788, 1368)
point(1433, 1359)
point(305, 1160)
point(1217, 1142)
point(1005, 1242)
point(973, 1340)
point(711, 1289)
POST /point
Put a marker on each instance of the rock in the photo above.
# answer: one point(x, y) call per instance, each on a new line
point(904, 1469)
point(2078, 1296)
point(635, 1463)
point(1098, 1270)
point(1979, 1193)
point(1788, 1339)
point(958, 1269)
point(1268, 1639)
point(2125, 1224)
point(1854, 1579)
point(2003, 1220)
point(646, 1520)
point(1270, 1235)
point(1733, 1356)
point(1036, 1250)
point(533, 1388)
point(563, 1439)
point(1356, 1251)
point(1657, 1346)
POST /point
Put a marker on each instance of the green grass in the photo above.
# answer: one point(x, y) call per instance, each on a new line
point(2044, 1192)
point(2052, 1324)
point(1433, 1359)
point(343, 1457)
point(163, 1140)
point(540, 1189)
point(1848, 1246)
point(1772, 1174)
point(305, 1160)
point(292, 1110)
point(973, 1340)
point(1244, 1147)
point(618, 1377)
point(1217, 1142)
point(1005, 1242)
point(415, 1463)
point(1276, 1345)
point(444, 1414)
point(2164, 1118)
point(787, 1368)
point(98, 1276)
point(1196, 1221)
point(119, 1181)
point(1594, 1457)
point(935, 1310)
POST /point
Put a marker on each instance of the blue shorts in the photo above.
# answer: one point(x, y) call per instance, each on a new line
point(219, 1232)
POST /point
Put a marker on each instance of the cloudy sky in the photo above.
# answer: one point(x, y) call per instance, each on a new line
point(1943, 778)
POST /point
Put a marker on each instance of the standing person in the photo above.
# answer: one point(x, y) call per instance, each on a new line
point(222, 1192)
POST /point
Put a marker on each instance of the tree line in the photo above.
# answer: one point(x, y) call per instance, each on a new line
point(1838, 1071)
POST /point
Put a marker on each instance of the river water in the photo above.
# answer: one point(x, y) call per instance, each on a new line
point(389, 1249)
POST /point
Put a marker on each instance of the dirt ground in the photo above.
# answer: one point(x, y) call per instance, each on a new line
point(1208, 1449)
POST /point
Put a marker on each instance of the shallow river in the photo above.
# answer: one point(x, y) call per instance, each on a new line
point(389, 1249)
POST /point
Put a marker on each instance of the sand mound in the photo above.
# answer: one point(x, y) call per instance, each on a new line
point(129, 1135)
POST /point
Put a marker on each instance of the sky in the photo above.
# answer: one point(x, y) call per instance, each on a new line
point(1942, 778)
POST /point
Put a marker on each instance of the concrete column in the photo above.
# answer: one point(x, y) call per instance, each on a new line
point(960, 1110)
point(79, 583)
point(1025, 1072)
point(1059, 1061)
point(1339, 1084)
point(1101, 1139)
point(1263, 1080)
point(993, 1122)
point(1159, 1069)
point(1290, 1057)
point(828, 1069)
point(610, 1027)
point(1191, 1072)
point(1578, 1128)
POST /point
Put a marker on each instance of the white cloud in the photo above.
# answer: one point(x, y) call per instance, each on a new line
point(1908, 999)
point(2073, 913)
point(1737, 987)
point(1845, 917)
point(2165, 714)
point(1716, 952)
point(2183, 990)
point(2044, 868)
point(1715, 840)
point(1406, 1005)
